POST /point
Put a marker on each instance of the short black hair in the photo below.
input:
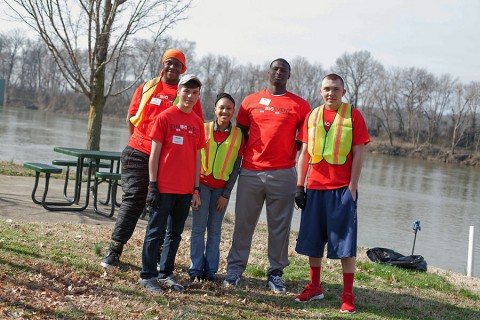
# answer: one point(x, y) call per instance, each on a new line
point(282, 60)
point(224, 95)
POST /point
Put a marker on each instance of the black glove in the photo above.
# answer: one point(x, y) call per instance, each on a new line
point(300, 197)
point(153, 196)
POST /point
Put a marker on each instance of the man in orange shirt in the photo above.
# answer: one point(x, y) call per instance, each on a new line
point(270, 119)
point(149, 100)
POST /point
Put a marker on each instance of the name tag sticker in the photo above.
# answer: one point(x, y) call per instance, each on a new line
point(265, 101)
point(177, 140)
point(156, 101)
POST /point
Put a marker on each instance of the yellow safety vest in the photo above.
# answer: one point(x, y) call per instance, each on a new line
point(219, 158)
point(147, 92)
point(334, 145)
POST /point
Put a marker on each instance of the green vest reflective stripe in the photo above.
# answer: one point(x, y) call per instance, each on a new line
point(219, 158)
point(147, 92)
point(334, 145)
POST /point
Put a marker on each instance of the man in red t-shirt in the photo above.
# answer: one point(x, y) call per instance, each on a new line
point(149, 100)
point(270, 120)
point(334, 136)
point(174, 171)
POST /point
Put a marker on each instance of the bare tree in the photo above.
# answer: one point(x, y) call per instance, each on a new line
point(384, 98)
point(104, 28)
point(133, 62)
point(10, 49)
point(306, 80)
point(416, 86)
point(474, 106)
point(434, 108)
point(217, 75)
point(358, 70)
point(463, 96)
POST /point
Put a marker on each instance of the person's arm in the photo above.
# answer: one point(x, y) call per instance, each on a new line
point(133, 108)
point(245, 131)
point(222, 201)
point(302, 168)
point(153, 196)
point(196, 197)
point(227, 190)
point(130, 126)
point(357, 162)
point(154, 159)
point(302, 165)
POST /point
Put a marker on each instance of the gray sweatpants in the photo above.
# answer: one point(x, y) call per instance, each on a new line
point(275, 188)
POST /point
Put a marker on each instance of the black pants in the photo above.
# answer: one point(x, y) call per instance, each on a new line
point(135, 188)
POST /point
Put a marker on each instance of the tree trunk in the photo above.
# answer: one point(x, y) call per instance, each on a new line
point(94, 128)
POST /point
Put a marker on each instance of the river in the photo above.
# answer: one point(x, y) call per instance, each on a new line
point(393, 192)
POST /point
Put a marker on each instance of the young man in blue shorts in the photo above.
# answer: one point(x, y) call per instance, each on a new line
point(334, 136)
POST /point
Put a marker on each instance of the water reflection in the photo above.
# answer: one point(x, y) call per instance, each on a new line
point(31, 135)
point(397, 192)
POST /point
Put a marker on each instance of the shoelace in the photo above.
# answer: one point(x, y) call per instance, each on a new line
point(277, 280)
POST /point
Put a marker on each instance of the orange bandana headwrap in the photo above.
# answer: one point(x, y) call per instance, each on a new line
point(177, 54)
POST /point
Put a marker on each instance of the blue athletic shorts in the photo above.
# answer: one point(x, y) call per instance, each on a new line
point(329, 218)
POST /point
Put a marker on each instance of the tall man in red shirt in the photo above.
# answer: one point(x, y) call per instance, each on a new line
point(149, 100)
point(334, 136)
point(270, 119)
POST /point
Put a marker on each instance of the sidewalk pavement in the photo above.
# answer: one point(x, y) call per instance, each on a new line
point(16, 203)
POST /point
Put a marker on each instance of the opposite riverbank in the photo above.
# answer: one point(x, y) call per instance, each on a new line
point(433, 153)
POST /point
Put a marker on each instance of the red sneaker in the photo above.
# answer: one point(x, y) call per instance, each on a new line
point(348, 303)
point(311, 292)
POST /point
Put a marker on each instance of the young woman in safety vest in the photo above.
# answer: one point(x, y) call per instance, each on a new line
point(221, 159)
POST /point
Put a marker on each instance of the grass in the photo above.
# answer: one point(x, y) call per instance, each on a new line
point(10, 168)
point(52, 271)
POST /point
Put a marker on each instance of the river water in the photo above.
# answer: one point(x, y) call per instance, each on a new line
point(393, 192)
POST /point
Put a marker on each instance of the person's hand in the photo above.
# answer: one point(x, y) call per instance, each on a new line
point(300, 197)
point(222, 203)
point(196, 202)
point(153, 196)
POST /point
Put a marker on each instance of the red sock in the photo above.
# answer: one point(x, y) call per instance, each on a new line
point(348, 282)
point(315, 275)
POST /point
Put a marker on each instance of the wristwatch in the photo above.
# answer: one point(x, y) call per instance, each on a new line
point(196, 190)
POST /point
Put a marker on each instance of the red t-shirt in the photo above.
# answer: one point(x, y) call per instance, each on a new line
point(325, 176)
point(181, 135)
point(165, 95)
point(274, 122)
point(209, 180)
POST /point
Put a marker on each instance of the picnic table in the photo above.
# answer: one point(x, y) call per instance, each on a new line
point(89, 160)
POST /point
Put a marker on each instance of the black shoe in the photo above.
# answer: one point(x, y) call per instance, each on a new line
point(195, 278)
point(275, 282)
point(112, 258)
point(172, 283)
point(210, 278)
point(151, 285)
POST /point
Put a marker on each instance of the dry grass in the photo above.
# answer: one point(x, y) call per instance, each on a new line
point(52, 271)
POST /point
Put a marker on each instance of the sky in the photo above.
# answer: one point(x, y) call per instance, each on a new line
point(441, 36)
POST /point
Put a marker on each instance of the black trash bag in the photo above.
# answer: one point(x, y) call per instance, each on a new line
point(392, 258)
